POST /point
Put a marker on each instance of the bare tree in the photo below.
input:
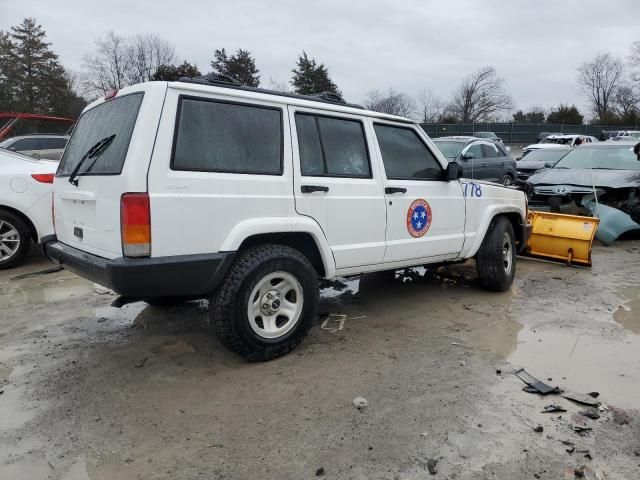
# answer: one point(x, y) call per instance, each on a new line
point(627, 102)
point(120, 61)
point(480, 96)
point(106, 70)
point(391, 102)
point(145, 53)
point(430, 107)
point(277, 86)
point(634, 59)
point(599, 80)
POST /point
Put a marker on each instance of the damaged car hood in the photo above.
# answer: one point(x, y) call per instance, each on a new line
point(586, 178)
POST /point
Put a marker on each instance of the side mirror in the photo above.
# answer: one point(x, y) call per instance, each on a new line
point(548, 164)
point(467, 156)
point(454, 171)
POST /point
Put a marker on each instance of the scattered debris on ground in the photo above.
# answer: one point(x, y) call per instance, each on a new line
point(553, 408)
point(360, 403)
point(431, 466)
point(590, 413)
point(534, 383)
point(581, 398)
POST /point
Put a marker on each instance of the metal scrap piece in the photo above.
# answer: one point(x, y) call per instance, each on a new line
point(533, 382)
point(581, 398)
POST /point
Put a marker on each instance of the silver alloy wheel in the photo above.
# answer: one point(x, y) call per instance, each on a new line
point(9, 240)
point(275, 305)
point(507, 257)
point(506, 180)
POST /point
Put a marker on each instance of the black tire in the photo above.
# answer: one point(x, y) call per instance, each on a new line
point(10, 221)
point(228, 306)
point(165, 301)
point(491, 261)
point(507, 179)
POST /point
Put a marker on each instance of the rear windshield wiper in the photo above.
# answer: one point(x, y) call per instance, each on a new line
point(91, 153)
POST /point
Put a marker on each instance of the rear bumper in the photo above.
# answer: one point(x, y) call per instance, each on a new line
point(180, 276)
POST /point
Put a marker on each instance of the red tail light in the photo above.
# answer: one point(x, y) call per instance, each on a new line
point(43, 177)
point(135, 224)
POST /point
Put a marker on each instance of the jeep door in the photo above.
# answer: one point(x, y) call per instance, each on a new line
point(425, 212)
point(336, 184)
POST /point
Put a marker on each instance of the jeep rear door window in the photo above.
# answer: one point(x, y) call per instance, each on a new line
point(113, 117)
point(405, 156)
point(214, 136)
point(334, 147)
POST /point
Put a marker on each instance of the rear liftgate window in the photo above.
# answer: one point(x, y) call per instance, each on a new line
point(214, 136)
point(113, 117)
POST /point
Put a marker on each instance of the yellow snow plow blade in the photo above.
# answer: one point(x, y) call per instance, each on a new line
point(560, 237)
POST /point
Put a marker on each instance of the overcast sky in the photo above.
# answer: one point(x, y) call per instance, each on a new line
point(408, 45)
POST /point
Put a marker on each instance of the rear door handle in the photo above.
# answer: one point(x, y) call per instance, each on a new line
point(313, 188)
point(392, 190)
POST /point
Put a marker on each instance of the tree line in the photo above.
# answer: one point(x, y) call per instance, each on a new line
point(33, 80)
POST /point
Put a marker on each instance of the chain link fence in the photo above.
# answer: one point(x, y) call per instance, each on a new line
point(520, 132)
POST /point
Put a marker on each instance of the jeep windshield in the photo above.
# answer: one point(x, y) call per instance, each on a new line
point(449, 149)
point(607, 158)
point(115, 118)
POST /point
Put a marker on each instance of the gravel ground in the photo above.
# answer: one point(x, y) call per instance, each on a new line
point(95, 392)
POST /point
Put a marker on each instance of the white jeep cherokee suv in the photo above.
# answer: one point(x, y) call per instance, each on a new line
point(203, 188)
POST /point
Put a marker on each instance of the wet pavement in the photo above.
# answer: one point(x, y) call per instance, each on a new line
point(90, 391)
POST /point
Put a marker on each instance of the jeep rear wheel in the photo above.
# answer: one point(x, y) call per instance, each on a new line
point(496, 259)
point(267, 302)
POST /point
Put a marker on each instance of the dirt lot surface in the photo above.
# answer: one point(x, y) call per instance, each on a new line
point(89, 391)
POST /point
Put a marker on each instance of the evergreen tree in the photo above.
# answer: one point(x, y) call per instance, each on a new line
point(310, 78)
point(7, 73)
point(31, 78)
point(171, 73)
point(239, 66)
point(566, 114)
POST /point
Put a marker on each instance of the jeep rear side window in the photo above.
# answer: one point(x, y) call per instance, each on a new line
point(405, 156)
point(216, 136)
point(332, 147)
point(113, 117)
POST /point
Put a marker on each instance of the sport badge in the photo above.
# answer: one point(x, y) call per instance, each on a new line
point(418, 218)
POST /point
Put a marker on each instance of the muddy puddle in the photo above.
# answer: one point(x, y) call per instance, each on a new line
point(628, 313)
point(583, 363)
point(41, 289)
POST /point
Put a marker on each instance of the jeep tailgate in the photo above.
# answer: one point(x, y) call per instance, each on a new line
point(87, 216)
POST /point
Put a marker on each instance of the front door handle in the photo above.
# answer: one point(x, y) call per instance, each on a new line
point(313, 188)
point(392, 190)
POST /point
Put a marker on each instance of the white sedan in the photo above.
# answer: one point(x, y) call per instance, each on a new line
point(25, 204)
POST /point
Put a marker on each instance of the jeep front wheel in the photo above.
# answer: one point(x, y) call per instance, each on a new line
point(496, 259)
point(267, 302)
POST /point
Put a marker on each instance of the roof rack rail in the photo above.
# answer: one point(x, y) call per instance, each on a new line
point(329, 97)
point(221, 80)
point(213, 77)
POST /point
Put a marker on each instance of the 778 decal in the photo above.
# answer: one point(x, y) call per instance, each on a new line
point(472, 189)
